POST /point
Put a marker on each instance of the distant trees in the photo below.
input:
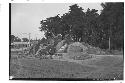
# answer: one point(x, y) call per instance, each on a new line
point(25, 39)
point(15, 39)
point(12, 38)
point(104, 30)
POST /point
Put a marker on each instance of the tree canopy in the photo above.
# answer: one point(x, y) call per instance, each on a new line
point(15, 39)
point(89, 26)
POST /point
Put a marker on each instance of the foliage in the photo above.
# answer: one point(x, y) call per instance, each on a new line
point(89, 26)
point(25, 39)
point(15, 39)
point(12, 38)
point(112, 23)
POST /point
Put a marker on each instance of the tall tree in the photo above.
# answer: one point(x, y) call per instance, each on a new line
point(74, 20)
point(91, 28)
point(112, 18)
point(51, 26)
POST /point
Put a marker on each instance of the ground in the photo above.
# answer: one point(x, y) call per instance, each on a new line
point(99, 67)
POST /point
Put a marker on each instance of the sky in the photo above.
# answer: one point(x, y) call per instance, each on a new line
point(26, 17)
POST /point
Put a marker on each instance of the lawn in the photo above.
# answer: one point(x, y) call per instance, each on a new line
point(100, 67)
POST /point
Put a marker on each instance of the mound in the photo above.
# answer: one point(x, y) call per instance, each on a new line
point(93, 50)
point(77, 51)
point(76, 47)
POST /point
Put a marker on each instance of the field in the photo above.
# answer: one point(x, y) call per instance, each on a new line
point(100, 67)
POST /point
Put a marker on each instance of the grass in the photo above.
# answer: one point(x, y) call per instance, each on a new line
point(50, 69)
point(101, 67)
point(107, 61)
point(109, 67)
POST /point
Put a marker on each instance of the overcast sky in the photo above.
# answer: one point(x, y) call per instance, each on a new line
point(25, 17)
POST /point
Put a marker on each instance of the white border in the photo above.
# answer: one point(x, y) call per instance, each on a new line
point(4, 36)
point(63, 1)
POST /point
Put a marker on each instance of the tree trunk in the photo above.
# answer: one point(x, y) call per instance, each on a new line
point(110, 35)
point(109, 44)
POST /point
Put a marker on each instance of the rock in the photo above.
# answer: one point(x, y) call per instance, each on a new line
point(76, 49)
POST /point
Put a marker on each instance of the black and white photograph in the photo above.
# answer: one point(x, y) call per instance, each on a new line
point(66, 41)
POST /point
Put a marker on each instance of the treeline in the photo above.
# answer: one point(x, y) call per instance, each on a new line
point(105, 30)
point(17, 39)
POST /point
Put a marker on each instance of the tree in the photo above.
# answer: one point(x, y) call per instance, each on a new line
point(51, 26)
point(79, 25)
point(82, 26)
point(69, 23)
point(15, 39)
point(12, 38)
point(74, 20)
point(91, 28)
point(112, 21)
point(104, 30)
point(25, 39)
